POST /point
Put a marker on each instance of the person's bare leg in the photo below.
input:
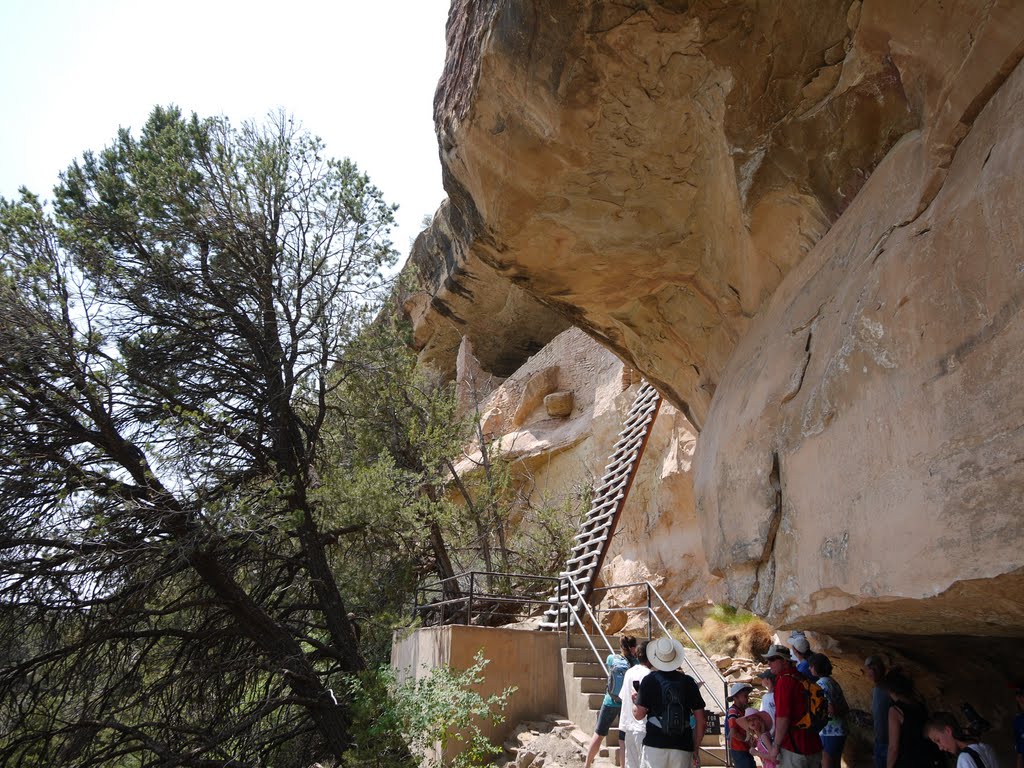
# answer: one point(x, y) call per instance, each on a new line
point(595, 746)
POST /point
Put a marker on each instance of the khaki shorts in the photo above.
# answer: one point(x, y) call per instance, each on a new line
point(666, 758)
point(789, 759)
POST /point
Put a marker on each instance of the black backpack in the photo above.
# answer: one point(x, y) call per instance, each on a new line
point(674, 716)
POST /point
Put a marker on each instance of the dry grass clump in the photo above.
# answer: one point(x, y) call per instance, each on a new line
point(735, 633)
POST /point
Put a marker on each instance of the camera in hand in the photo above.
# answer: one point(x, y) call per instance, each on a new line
point(636, 685)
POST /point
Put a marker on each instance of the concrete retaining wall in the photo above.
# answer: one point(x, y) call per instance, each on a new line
point(531, 661)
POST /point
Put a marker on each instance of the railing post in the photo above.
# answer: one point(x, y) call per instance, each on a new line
point(568, 613)
point(725, 724)
point(469, 601)
point(649, 609)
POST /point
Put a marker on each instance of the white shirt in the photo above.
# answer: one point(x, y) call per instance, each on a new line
point(984, 751)
point(626, 720)
point(768, 705)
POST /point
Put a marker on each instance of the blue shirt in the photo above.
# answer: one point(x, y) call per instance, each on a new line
point(834, 694)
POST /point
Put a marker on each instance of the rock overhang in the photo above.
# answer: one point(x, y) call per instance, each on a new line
point(664, 176)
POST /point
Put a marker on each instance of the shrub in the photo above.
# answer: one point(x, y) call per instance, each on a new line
point(735, 632)
point(399, 725)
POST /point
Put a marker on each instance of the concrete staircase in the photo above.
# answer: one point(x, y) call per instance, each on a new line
point(585, 681)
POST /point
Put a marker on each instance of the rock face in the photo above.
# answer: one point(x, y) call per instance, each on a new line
point(802, 222)
point(868, 433)
point(503, 323)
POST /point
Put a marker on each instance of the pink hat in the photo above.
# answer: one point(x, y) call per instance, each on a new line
point(764, 717)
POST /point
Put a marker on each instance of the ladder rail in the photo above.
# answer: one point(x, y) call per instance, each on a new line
point(596, 530)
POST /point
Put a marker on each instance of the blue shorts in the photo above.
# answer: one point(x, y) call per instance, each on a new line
point(742, 759)
point(605, 718)
point(833, 745)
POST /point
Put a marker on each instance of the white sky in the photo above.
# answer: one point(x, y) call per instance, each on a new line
point(359, 73)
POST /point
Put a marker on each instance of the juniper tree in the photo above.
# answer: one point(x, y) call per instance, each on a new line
point(173, 333)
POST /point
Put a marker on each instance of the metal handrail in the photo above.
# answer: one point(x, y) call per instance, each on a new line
point(718, 702)
point(593, 618)
point(474, 595)
point(652, 614)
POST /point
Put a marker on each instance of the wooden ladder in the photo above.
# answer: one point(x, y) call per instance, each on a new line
point(595, 534)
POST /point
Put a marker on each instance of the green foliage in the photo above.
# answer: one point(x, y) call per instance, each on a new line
point(440, 711)
point(731, 615)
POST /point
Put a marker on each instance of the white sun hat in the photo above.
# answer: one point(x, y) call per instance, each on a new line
point(738, 688)
point(665, 653)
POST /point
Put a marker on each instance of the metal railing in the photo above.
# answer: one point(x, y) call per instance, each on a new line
point(575, 618)
point(475, 591)
point(654, 603)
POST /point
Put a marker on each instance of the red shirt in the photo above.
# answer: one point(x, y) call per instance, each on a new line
point(790, 702)
point(737, 736)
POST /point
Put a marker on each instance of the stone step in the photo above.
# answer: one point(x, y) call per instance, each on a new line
point(583, 739)
point(580, 641)
point(593, 684)
point(584, 655)
point(712, 755)
point(588, 669)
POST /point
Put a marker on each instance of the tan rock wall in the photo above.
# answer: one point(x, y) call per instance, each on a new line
point(885, 377)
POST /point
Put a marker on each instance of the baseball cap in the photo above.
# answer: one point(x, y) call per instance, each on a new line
point(777, 651)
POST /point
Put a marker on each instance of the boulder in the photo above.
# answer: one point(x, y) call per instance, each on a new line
point(558, 404)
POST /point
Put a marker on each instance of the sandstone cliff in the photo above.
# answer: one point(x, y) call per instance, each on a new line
point(802, 222)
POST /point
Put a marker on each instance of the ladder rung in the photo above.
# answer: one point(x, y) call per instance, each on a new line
point(636, 420)
point(597, 537)
point(581, 545)
point(604, 516)
point(603, 506)
point(632, 437)
point(597, 509)
point(625, 446)
point(577, 572)
point(592, 536)
point(583, 558)
point(596, 527)
point(610, 476)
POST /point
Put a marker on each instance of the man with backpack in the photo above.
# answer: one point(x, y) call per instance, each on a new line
point(667, 698)
point(801, 711)
point(617, 664)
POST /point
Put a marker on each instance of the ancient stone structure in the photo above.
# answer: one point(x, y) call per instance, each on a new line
point(803, 222)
